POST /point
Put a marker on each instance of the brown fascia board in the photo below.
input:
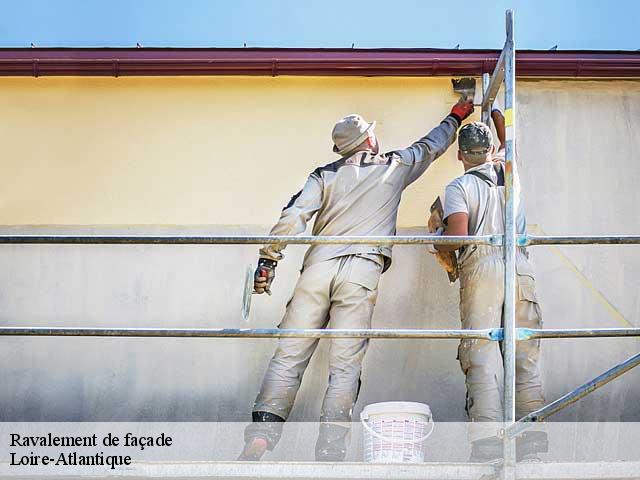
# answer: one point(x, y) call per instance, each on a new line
point(309, 62)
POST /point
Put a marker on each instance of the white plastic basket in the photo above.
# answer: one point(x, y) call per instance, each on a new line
point(395, 432)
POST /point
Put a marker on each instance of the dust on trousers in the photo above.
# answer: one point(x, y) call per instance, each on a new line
point(341, 291)
point(481, 304)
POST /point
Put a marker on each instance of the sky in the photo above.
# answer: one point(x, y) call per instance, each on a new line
point(540, 24)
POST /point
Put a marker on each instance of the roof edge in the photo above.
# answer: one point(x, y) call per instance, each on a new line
point(310, 62)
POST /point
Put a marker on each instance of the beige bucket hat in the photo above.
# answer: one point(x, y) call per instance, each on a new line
point(350, 132)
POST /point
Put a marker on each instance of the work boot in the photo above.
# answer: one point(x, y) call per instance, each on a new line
point(331, 445)
point(530, 444)
point(261, 435)
point(254, 449)
point(486, 450)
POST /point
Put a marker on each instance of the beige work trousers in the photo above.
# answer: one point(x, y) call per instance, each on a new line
point(481, 303)
point(341, 291)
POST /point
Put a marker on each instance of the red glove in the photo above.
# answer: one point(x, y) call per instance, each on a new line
point(462, 110)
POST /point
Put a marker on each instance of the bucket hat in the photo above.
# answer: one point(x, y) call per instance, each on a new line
point(350, 132)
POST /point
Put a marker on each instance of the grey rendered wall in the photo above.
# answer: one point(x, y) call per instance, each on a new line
point(580, 168)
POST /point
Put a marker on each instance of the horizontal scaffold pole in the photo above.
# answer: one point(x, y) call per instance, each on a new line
point(494, 334)
point(530, 333)
point(257, 240)
point(491, 240)
point(527, 240)
point(486, 334)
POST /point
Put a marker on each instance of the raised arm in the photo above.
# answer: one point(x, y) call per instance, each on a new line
point(424, 151)
point(498, 122)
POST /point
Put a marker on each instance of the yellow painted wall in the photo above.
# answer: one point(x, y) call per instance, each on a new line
point(195, 150)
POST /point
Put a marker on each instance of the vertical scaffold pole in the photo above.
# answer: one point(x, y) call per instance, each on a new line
point(485, 114)
point(510, 231)
point(509, 251)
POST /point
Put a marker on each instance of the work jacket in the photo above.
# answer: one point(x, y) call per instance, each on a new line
point(358, 195)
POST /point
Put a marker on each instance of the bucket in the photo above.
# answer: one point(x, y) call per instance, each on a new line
point(395, 432)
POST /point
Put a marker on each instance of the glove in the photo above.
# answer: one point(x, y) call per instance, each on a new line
point(264, 275)
point(431, 248)
point(462, 110)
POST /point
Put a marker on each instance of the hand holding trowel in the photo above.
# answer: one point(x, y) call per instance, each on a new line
point(257, 282)
point(466, 87)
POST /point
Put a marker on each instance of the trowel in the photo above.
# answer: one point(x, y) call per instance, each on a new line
point(248, 292)
point(466, 87)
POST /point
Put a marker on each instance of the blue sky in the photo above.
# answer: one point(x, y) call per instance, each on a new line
point(541, 24)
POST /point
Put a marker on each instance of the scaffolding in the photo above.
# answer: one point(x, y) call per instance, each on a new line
point(504, 73)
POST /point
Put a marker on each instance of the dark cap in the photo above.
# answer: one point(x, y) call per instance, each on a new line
point(475, 138)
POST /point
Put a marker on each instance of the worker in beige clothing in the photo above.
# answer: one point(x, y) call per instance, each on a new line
point(474, 205)
point(356, 195)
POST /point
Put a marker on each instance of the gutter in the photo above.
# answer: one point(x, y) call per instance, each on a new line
point(309, 62)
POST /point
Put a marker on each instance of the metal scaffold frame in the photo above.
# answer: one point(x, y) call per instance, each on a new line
point(504, 72)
